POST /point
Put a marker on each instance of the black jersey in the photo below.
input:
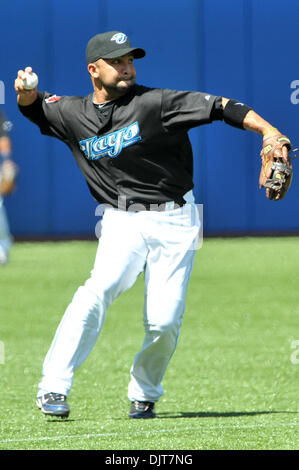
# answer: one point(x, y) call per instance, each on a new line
point(136, 147)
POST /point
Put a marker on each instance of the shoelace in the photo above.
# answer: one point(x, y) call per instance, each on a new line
point(56, 397)
point(141, 406)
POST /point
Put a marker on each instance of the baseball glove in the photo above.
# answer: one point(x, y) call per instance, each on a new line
point(277, 172)
point(8, 177)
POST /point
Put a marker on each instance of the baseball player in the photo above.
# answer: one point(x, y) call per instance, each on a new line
point(131, 144)
point(7, 179)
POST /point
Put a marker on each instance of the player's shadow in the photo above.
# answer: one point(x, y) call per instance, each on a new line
point(217, 414)
point(50, 420)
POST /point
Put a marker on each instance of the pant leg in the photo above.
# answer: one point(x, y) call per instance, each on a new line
point(5, 236)
point(120, 259)
point(169, 265)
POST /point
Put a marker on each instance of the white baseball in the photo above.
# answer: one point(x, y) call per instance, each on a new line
point(30, 81)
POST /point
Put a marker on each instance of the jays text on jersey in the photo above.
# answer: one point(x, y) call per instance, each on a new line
point(136, 147)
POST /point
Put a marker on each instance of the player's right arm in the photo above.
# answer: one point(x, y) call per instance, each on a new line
point(33, 105)
point(25, 97)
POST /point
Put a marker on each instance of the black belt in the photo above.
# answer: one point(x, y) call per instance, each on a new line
point(138, 206)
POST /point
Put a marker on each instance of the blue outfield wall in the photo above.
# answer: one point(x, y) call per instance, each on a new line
point(243, 49)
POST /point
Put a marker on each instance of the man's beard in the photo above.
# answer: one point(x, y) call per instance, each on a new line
point(120, 90)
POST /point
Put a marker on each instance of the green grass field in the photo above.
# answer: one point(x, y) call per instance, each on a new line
point(232, 384)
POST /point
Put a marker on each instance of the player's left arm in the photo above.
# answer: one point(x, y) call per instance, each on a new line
point(276, 172)
point(253, 121)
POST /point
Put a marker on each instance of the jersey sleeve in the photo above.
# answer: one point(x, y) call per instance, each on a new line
point(183, 110)
point(45, 113)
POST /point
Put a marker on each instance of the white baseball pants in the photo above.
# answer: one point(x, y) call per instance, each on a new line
point(162, 244)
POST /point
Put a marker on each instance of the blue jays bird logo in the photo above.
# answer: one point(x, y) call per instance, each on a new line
point(119, 38)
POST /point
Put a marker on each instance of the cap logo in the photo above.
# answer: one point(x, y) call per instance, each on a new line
point(119, 38)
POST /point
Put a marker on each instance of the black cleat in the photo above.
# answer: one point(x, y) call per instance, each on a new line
point(53, 404)
point(142, 409)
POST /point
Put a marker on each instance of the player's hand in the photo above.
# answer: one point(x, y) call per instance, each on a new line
point(276, 171)
point(25, 97)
